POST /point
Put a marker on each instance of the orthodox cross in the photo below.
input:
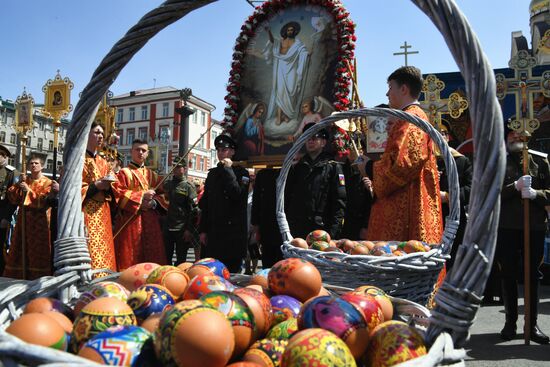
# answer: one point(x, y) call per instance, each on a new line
point(406, 52)
point(435, 106)
point(523, 85)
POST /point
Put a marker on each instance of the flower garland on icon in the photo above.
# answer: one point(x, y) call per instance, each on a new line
point(346, 40)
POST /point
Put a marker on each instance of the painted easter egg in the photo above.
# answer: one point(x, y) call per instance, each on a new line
point(116, 346)
point(216, 267)
point(39, 329)
point(136, 275)
point(283, 330)
point(261, 308)
point(284, 307)
point(99, 290)
point(43, 304)
point(204, 284)
point(170, 277)
point(393, 342)
point(295, 277)
point(338, 316)
point(317, 347)
point(369, 307)
point(380, 296)
point(150, 299)
point(266, 352)
point(317, 235)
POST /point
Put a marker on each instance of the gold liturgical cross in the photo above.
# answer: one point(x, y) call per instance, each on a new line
point(435, 106)
point(523, 85)
point(406, 52)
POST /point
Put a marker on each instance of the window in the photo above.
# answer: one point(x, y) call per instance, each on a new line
point(144, 112)
point(132, 116)
point(142, 133)
point(120, 137)
point(193, 118)
point(49, 165)
point(203, 118)
point(165, 108)
point(50, 145)
point(130, 136)
point(213, 157)
point(12, 138)
point(41, 125)
point(40, 144)
point(11, 161)
point(3, 136)
point(192, 161)
point(29, 141)
point(60, 147)
point(201, 142)
point(214, 136)
point(119, 114)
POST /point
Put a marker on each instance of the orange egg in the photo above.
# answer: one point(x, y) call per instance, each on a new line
point(42, 304)
point(323, 292)
point(348, 245)
point(136, 275)
point(184, 266)
point(368, 244)
point(198, 269)
point(170, 277)
point(244, 364)
point(360, 250)
point(296, 278)
point(299, 242)
point(380, 296)
point(39, 329)
point(61, 319)
point(259, 280)
point(152, 322)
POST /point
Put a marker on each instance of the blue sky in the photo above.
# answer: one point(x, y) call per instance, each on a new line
point(39, 37)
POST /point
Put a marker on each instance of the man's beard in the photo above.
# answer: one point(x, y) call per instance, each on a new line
point(515, 146)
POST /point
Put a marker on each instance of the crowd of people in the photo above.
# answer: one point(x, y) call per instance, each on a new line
point(133, 215)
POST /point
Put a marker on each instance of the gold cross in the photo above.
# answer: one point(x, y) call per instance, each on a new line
point(406, 52)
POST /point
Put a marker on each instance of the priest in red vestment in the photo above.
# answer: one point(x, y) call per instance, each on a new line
point(405, 179)
point(97, 193)
point(35, 195)
point(138, 234)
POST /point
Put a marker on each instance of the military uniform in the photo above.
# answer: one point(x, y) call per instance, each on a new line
point(223, 211)
point(509, 249)
point(180, 217)
point(8, 176)
point(358, 203)
point(315, 196)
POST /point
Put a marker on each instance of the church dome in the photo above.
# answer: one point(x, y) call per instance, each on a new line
point(539, 6)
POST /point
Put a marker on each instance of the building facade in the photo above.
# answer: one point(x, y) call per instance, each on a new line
point(150, 115)
point(40, 139)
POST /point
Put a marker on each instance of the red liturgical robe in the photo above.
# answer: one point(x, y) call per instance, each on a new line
point(140, 238)
point(97, 214)
point(406, 185)
point(38, 248)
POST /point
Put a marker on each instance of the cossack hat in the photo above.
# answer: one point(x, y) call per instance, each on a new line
point(323, 133)
point(5, 150)
point(224, 141)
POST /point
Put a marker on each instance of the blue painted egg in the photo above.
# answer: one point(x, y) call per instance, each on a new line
point(284, 307)
point(150, 299)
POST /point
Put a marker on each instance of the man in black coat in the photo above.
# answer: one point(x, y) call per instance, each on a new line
point(223, 224)
point(534, 186)
point(8, 177)
point(315, 195)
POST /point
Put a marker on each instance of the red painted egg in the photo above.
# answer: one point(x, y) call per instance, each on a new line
point(380, 296)
point(317, 235)
point(169, 277)
point(136, 275)
point(295, 277)
point(261, 309)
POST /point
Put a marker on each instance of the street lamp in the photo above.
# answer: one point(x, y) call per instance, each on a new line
point(165, 137)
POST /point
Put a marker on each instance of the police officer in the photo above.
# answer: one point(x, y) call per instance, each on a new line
point(182, 210)
point(223, 225)
point(8, 177)
point(316, 190)
point(536, 187)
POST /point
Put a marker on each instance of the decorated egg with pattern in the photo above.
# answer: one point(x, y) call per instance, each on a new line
point(295, 277)
point(283, 330)
point(136, 275)
point(284, 307)
point(238, 313)
point(261, 308)
point(150, 299)
point(319, 245)
point(116, 346)
point(39, 329)
point(101, 289)
point(393, 342)
point(204, 284)
point(98, 316)
point(317, 235)
point(44, 304)
point(194, 334)
point(217, 267)
point(317, 347)
point(266, 352)
point(170, 277)
point(338, 316)
point(380, 296)
point(369, 307)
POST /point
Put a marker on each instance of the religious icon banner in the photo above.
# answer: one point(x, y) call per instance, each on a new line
point(290, 68)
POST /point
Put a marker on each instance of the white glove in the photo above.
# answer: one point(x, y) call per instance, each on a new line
point(528, 193)
point(523, 181)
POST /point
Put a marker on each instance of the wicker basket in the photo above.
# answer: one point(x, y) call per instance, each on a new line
point(458, 299)
point(411, 276)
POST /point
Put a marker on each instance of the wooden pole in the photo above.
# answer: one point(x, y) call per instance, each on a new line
point(22, 208)
point(526, 252)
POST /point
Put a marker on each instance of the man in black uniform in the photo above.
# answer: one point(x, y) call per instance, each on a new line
point(536, 187)
point(182, 210)
point(316, 190)
point(264, 217)
point(223, 225)
point(8, 177)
